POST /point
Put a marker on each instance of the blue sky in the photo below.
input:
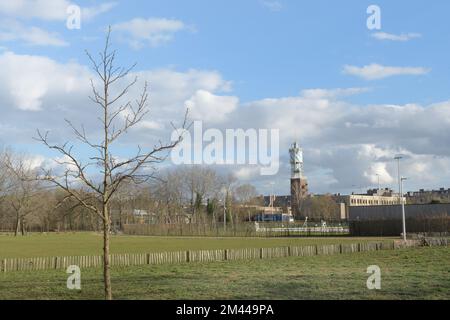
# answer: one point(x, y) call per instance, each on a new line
point(277, 53)
point(266, 49)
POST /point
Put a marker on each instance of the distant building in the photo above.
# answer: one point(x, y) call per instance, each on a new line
point(381, 192)
point(277, 201)
point(382, 197)
point(275, 209)
point(428, 196)
point(274, 217)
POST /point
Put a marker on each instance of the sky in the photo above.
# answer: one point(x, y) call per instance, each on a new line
point(351, 96)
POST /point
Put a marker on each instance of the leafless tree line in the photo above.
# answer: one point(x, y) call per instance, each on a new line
point(190, 194)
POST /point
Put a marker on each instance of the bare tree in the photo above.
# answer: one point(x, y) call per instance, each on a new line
point(169, 194)
point(200, 183)
point(321, 207)
point(115, 120)
point(228, 188)
point(23, 190)
point(246, 195)
point(3, 176)
point(5, 185)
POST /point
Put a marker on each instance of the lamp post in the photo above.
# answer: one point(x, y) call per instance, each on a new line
point(398, 158)
point(400, 195)
point(403, 208)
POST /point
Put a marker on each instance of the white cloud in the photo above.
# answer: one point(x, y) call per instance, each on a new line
point(33, 162)
point(150, 125)
point(247, 173)
point(272, 5)
point(349, 144)
point(331, 93)
point(395, 37)
point(48, 9)
point(42, 9)
point(153, 31)
point(377, 71)
point(12, 31)
point(345, 144)
point(211, 108)
point(38, 92)
point(27, 80)
point(91, 12)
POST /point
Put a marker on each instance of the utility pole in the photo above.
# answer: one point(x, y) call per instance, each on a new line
point(398, 158)
point(403, 208)
point(400, 195)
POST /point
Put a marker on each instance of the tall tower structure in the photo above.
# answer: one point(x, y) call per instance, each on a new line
point(296, 154)
point(299, 183)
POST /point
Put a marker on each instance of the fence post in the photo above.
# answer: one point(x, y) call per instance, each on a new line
point(188, 256)
point(226, 254)
point(3, 266)
point(261, 253)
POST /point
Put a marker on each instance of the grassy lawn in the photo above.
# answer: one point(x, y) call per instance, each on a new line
point(75, 244)
point(419, 273)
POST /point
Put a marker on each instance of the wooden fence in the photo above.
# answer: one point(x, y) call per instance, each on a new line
point(124, 260)
point(246, 229)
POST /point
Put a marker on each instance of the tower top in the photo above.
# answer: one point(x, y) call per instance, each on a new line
point(296, 155)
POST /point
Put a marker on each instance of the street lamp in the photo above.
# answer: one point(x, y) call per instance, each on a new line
point(398, 158)
point(403, 208)
point(400, 194)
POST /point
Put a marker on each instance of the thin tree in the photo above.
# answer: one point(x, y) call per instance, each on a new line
point(23, 190)
point(4, 176)
point(78, 179)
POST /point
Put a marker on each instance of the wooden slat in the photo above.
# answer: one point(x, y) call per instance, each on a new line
point(125, 260)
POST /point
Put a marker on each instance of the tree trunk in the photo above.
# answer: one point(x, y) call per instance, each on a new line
point(106, 262)
point(17, 226)
point(23, 230)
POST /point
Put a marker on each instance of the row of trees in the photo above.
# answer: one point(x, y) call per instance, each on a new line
point(190, 194)
point(203, 192)
point(317, 208)
point(186, 194)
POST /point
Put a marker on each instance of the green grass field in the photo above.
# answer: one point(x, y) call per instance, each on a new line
point(419, 273)
point(76, 244)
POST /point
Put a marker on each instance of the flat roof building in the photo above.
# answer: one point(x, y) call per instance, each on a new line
point(366, 200)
